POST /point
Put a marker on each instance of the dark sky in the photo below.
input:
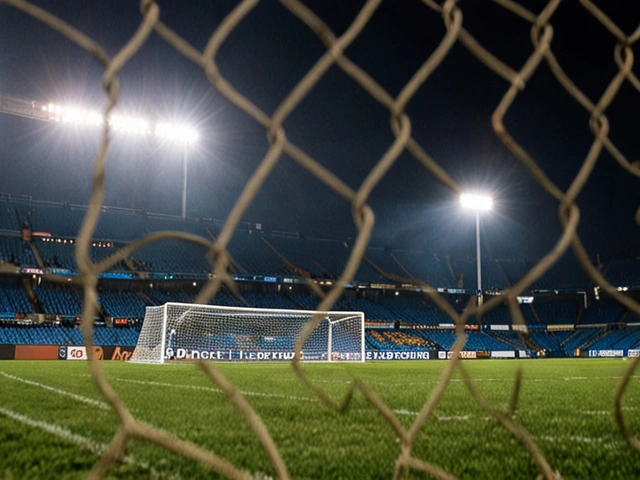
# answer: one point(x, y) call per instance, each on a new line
point(338, 123)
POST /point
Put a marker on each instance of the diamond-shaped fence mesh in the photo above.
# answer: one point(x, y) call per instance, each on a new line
point(446, 17)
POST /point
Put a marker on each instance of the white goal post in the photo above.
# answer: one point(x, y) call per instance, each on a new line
point(185, 331)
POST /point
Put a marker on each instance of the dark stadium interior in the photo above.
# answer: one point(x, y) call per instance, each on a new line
point(297, 231)
point(273, 269)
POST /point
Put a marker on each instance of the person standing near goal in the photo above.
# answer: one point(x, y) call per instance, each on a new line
point(171, 344)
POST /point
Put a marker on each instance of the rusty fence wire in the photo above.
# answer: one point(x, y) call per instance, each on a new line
point(516, 78)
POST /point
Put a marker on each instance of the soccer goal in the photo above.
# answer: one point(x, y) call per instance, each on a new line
point(183, 331)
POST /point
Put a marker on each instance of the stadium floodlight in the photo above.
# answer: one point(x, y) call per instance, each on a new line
point(176, 132)
point(478, 203)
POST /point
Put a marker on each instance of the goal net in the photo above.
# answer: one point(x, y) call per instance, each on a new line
point(182, 331)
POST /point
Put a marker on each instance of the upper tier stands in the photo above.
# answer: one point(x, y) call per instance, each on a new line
point(13, 250)
point(600, 312)
point(61, 254)
point(426, 267)
point(414, 309)
point(557, 311)
point(258, 252)
point(623, 272)
point(493, 276)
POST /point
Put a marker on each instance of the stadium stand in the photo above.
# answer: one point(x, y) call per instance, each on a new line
point(16, 252)
point(167, 271)
point(623, 272)
point(565, 274)
point(493, 276)
point(426, 267)
point(172, 257)
point(557, 312)
point(602, 312)
point(414, 309)
point(125, 304)
point(58, 335)
point(13, 299)
point(392, 340)
point(254, 256)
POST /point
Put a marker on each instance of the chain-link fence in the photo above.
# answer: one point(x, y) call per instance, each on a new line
point(450, 14)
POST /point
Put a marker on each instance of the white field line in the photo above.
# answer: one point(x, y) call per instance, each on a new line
point(400, 411)
point(506, 379)
point(601, 442)
point(606, 412)
point(309, 399)
point(56, 430)
point(77, 439)
point(215, 390)
point(96, 403)
point(273, 395)
point(332, 381)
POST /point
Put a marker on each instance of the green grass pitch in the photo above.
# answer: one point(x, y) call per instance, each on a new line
point(53, 421)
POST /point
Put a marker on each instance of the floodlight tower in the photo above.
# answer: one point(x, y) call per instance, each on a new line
point(187, 136)
point(478, 203)
point(54, 112)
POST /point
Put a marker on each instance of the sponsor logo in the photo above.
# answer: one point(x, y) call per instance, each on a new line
point(184, 354)
point(266, 356)
point(250, 355)
point(120, 354)
point(633, 353)
point(442, 355)
point(503, 354)
point(342, 356)
point(606, 353)
point(374, 355)
point(463, 354)
point(77, 353)
point(62, 353)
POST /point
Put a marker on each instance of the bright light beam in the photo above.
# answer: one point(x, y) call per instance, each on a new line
point(138, 125)
point(174, 131)
point(475, 201)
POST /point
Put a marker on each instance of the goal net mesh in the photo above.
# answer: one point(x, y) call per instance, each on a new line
point(507, 80)
point(204, 332)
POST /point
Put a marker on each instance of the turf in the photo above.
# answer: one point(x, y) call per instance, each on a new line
point(566, 405)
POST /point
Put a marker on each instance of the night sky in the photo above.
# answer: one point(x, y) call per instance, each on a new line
point(339, 124)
